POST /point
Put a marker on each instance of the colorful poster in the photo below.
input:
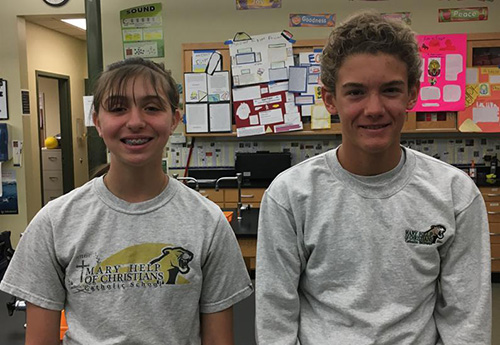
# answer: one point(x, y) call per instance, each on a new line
point(482, 100)
point(469, 14)
point(312, 20)
point(403, 16)
point(442, 83)
point(8, 200)
point(142, 31)
point(257, 4)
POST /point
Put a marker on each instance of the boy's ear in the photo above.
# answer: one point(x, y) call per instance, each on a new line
point(413, 92)
point(329, 100)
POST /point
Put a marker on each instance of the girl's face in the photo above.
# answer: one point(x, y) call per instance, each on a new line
point(136, 125)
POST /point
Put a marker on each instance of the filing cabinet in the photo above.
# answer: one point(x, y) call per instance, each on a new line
point(52, 176)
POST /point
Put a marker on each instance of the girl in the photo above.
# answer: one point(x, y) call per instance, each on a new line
point(133, 257)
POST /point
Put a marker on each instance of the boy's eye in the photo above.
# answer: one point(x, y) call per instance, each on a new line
point(393, 90)
point(153, 107)
point(117, 109)
point(354, 92)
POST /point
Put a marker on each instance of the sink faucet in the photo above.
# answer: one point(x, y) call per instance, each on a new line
point(188, 179)
point(239, 179)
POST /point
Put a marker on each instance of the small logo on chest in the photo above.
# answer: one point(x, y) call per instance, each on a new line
point(425, 237)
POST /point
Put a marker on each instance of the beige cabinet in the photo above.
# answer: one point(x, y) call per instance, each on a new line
point(491, 197)
point(52, 176)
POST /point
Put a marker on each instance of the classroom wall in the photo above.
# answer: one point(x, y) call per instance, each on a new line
point(194, 21)
point(13, 68)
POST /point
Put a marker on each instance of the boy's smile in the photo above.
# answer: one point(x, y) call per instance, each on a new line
point(371, 98)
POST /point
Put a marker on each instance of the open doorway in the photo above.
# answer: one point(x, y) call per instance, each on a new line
point(54, 121)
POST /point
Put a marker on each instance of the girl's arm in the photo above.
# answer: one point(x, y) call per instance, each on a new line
point(217, 328)
point(42, 326)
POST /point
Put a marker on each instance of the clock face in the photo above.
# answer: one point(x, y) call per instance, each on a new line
point(55, 2)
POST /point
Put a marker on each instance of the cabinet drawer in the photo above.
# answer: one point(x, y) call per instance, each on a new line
point(248, 195)
point(51, 159)
point(493, 208)
point(235, 204)
point(495, 257)
point(49, 195)
point(490, 193)
point(215, 196)
point(52, 180)
point(495, 232)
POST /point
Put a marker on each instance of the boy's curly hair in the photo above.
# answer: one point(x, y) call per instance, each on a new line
point(369, 32)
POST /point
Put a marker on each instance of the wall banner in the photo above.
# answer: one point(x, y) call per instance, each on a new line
point(469, 14)
point(403, 16)
point(312, 20)
point(257, 4)
point(142, 31)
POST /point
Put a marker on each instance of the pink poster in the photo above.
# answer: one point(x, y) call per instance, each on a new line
point(442, 83)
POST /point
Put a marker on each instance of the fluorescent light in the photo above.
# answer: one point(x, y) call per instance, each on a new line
point(79, 22)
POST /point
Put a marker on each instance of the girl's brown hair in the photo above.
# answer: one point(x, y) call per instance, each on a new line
point(113, 82)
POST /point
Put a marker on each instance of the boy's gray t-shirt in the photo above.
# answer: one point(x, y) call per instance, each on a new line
point(135, 273)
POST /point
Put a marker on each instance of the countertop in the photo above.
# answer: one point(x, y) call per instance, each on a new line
point(247, 226)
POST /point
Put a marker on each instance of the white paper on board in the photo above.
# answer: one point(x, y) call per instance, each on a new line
point(485, 112)
point(454, 66)
point(472, 76)
point(271, 116)
point(246, 93)
point(430, 93)
point(452, 93)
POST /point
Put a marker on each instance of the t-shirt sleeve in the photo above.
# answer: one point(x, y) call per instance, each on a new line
point(225, 277)
point(34, 274)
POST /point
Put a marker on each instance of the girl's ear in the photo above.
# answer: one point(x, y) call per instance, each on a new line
point(97, 123)
point(176, 119)
point(329, 100)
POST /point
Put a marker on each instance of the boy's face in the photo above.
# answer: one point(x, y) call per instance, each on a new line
point(371, 98)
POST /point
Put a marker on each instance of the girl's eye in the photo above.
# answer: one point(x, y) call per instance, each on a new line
point(117, 109)
point(153, 108)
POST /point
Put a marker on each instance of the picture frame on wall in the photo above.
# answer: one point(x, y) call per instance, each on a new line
point(4, 104)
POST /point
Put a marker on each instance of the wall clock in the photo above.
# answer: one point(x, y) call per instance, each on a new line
point(55, 3)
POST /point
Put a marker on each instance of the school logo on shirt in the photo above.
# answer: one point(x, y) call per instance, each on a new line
point(147, 265)
point(425, 237)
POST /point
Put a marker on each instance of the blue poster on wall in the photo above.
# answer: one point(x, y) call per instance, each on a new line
point(8, 193)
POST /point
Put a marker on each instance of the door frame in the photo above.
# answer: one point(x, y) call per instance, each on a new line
point(65, 119)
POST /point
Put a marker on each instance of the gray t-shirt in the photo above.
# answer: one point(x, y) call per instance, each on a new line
point(134, 273)
point(395, 259)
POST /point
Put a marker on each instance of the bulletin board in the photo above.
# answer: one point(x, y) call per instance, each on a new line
point(442, 83)
point(482, 113)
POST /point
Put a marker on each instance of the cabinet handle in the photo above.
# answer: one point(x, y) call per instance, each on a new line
point(53, 178)
point(493, 195)
point(247, 195)
point(495, 259)
point(494, 233)
point(492, 213)
point(52, 159)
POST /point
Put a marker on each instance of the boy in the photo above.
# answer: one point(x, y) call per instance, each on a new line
point(372, 243)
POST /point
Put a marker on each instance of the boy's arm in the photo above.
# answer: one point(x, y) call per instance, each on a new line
point(217, 328)
point(42, 326)
point(463, 309)
point(277, 277)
